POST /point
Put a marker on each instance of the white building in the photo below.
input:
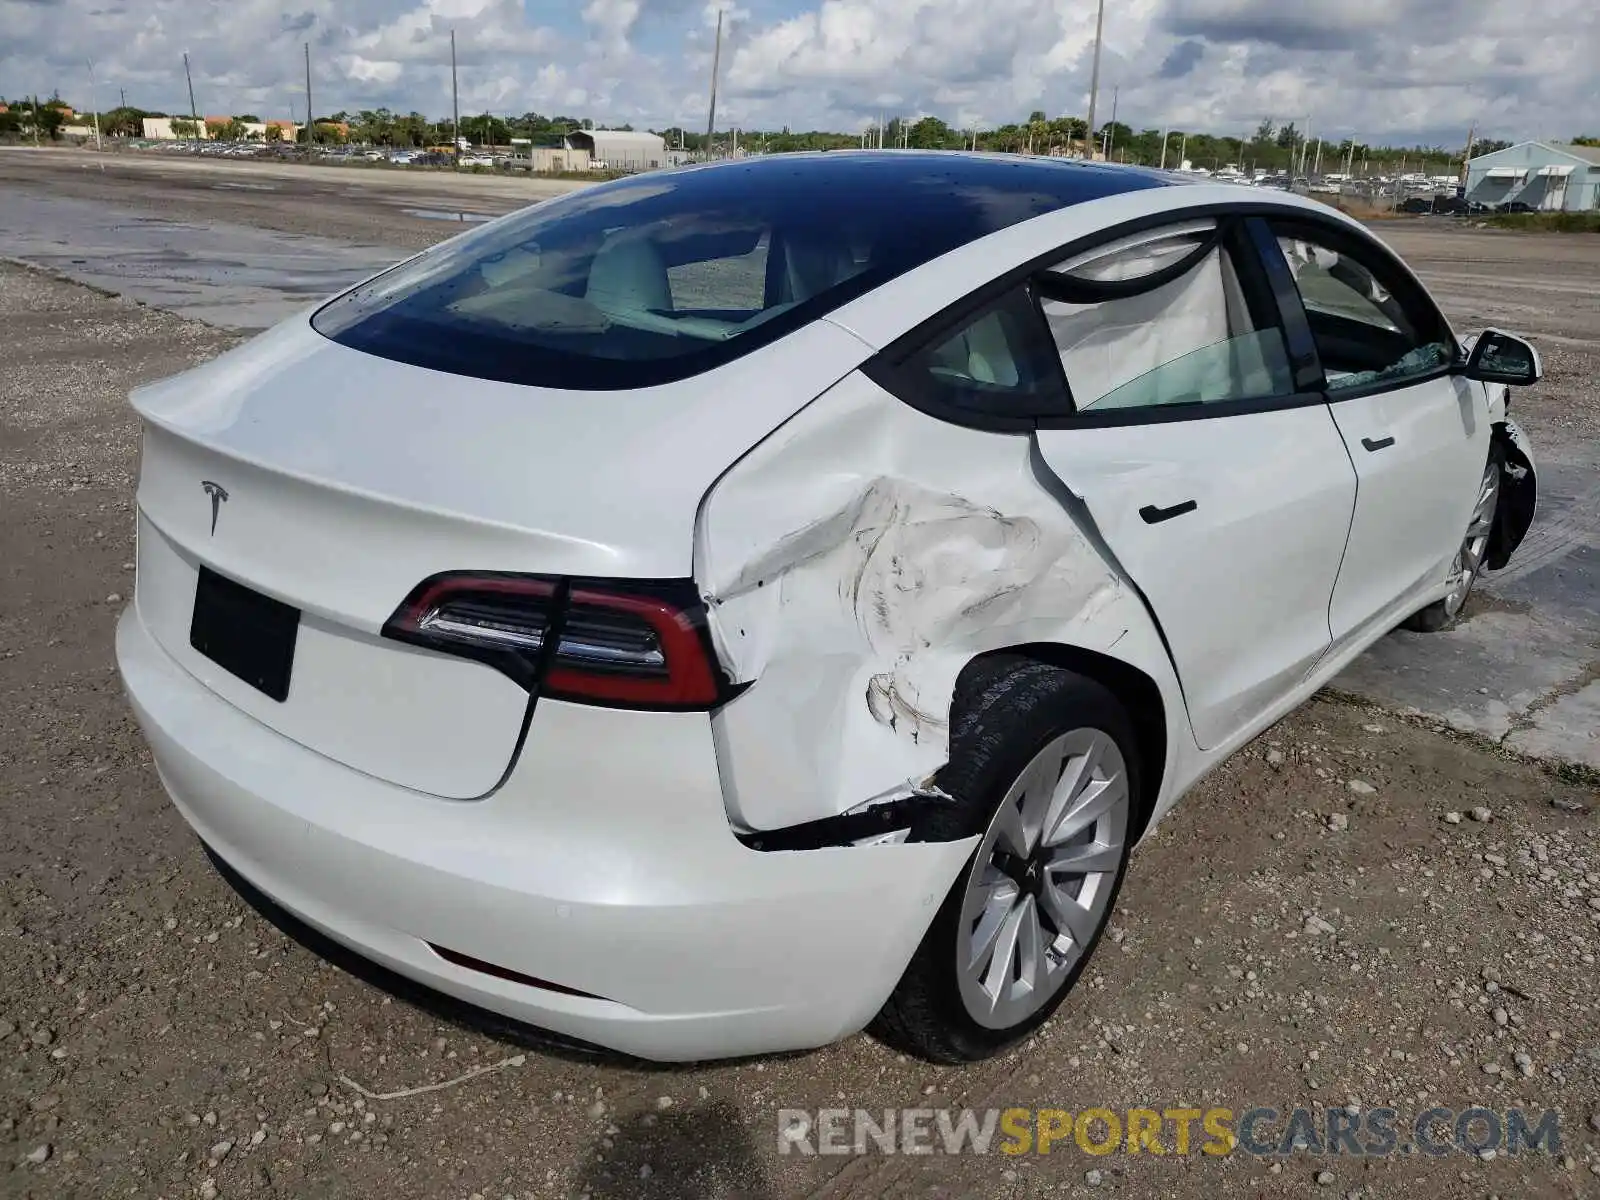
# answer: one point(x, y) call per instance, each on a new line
point(160, 129)
point(1549, 176)
point(620, 149)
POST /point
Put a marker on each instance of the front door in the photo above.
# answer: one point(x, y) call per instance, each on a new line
point(1417, 433)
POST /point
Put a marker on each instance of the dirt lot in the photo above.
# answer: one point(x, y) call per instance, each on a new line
point(1309, 929)
point(357, 204)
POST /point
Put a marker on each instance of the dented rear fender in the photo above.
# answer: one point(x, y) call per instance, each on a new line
point(852, 565)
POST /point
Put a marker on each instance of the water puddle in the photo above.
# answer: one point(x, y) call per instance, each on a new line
point(435, 214)
point(229, 275)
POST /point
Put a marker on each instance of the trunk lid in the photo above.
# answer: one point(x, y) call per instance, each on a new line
point(335, 481)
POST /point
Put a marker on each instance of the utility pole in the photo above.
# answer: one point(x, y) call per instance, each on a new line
point(1111, 129)
point(1472, 137)
point(1164, 136)
point(716, 65)
point(36, 120)
point(1183, 151)
point(455, 107)
point(124, 92)
point(1094, 83)
point(1317, 168)
point(311, 125)
point(194, 113)
point(94, 105)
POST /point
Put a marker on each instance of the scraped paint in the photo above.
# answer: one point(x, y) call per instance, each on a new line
point(855, 624)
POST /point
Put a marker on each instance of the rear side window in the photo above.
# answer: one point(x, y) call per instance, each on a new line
point(662, 276)
point(1161, 319)
point(993, 363)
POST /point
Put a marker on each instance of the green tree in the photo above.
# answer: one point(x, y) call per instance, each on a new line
point(124, 122)
point(185, 128)
point(274, 134)
point(930, 133)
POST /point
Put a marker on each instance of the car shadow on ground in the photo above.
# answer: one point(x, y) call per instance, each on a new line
point(693, 1153)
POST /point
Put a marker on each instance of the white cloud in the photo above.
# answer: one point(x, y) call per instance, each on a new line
point(1402, 68)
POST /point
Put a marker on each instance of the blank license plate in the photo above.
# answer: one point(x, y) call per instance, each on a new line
point(245, 633)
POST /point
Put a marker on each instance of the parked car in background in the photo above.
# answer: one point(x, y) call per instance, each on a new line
point(710, 612)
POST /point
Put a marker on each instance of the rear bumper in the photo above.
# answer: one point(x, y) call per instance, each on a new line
point(604, 864)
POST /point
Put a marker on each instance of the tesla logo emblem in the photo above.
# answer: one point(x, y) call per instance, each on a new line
point(219, 495)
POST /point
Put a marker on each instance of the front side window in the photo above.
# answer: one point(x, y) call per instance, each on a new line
point(1160, 319)
point(1367, 334)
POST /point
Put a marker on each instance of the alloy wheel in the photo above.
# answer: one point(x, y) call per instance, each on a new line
point(1043, 877)
point(1468, 561)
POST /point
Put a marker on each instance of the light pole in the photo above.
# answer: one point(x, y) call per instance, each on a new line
point(716, 65)
point(311, 125)
point(194, 113)
point(94, 105)
point(1094, 83)
point(1111, 130)
point(455, 107)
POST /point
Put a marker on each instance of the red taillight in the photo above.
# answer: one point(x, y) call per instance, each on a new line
point(626, 643)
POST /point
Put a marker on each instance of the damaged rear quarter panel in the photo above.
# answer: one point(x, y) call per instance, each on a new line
point(852, 564)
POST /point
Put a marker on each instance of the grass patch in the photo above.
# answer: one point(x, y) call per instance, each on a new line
point(1548, 222)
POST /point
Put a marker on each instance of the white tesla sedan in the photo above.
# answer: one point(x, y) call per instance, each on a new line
point(719, 610)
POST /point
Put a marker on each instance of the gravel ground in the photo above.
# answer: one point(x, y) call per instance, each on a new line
point(1311, 928)
point(1326, 922)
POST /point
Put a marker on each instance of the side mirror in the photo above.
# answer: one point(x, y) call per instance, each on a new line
point(1501, 358)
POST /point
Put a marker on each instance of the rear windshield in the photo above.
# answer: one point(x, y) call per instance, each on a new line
point(662, 276)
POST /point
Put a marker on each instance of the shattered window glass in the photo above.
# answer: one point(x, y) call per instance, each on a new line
point(1364, 333)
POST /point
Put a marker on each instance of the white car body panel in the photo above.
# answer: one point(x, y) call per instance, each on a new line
point(318, 447)
point(572, 477)
point(855, 562)
point(1414, 495)
point(375, 706)
point(691, 945)
point(1274, 493)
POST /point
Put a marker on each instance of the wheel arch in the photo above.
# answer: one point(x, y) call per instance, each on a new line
point(1519, 494)
point(1147, 708)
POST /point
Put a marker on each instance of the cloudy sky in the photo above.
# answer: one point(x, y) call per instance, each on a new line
point(1396, 70)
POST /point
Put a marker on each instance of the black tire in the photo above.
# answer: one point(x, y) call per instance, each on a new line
point(1005, 711)
point(1437, 616)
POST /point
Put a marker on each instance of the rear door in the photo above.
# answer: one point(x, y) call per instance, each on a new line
point(1202, 449)
point(1417, 433)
